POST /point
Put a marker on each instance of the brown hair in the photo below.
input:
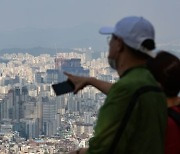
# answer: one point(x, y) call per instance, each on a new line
point(166, 70)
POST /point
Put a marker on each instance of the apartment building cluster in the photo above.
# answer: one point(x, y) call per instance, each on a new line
point(29, 106)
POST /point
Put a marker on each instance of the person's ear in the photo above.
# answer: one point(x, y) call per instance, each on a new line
point(120, 45)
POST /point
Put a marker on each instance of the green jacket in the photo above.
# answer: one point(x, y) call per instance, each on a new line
point(144, 133)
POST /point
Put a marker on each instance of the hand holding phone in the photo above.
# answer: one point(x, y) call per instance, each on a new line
point(63, 87)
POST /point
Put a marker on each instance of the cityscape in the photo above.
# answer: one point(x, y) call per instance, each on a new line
point(39, 41)
point(32, 118)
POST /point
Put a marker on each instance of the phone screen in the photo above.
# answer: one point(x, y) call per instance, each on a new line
point(63, 87)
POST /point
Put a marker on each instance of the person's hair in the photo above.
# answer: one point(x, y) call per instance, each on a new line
point(148, 44)
point(166, 70)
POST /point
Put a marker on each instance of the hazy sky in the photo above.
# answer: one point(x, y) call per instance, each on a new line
point(15, 14)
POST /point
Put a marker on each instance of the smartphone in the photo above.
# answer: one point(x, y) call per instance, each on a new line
point(63, 87)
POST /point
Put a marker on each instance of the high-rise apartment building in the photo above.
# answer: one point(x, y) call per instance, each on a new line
point(49, 122)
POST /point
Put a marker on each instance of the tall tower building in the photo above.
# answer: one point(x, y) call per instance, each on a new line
point(49, 121)
point(52, 76)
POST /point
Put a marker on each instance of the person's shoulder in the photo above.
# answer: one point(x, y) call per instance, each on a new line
point(134, 80)
point(124, 85)
point(138, 73)
point(139, 77)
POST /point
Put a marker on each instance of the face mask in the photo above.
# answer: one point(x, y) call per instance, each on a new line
point(112, 63)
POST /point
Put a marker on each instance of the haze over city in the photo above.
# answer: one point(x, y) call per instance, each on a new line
point(75, 23)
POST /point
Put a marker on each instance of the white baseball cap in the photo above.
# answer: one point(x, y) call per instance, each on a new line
point(134, 31)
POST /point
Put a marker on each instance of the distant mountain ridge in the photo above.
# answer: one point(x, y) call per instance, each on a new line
point(79, 36)
point(36, 51)
point(38, 41)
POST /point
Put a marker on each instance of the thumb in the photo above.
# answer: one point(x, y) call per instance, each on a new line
point(76, 91)
point(67, 74)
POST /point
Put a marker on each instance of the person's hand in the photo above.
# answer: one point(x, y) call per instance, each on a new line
point(79, 81)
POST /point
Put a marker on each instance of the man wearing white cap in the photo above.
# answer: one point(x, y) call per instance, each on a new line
point(121, 128)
